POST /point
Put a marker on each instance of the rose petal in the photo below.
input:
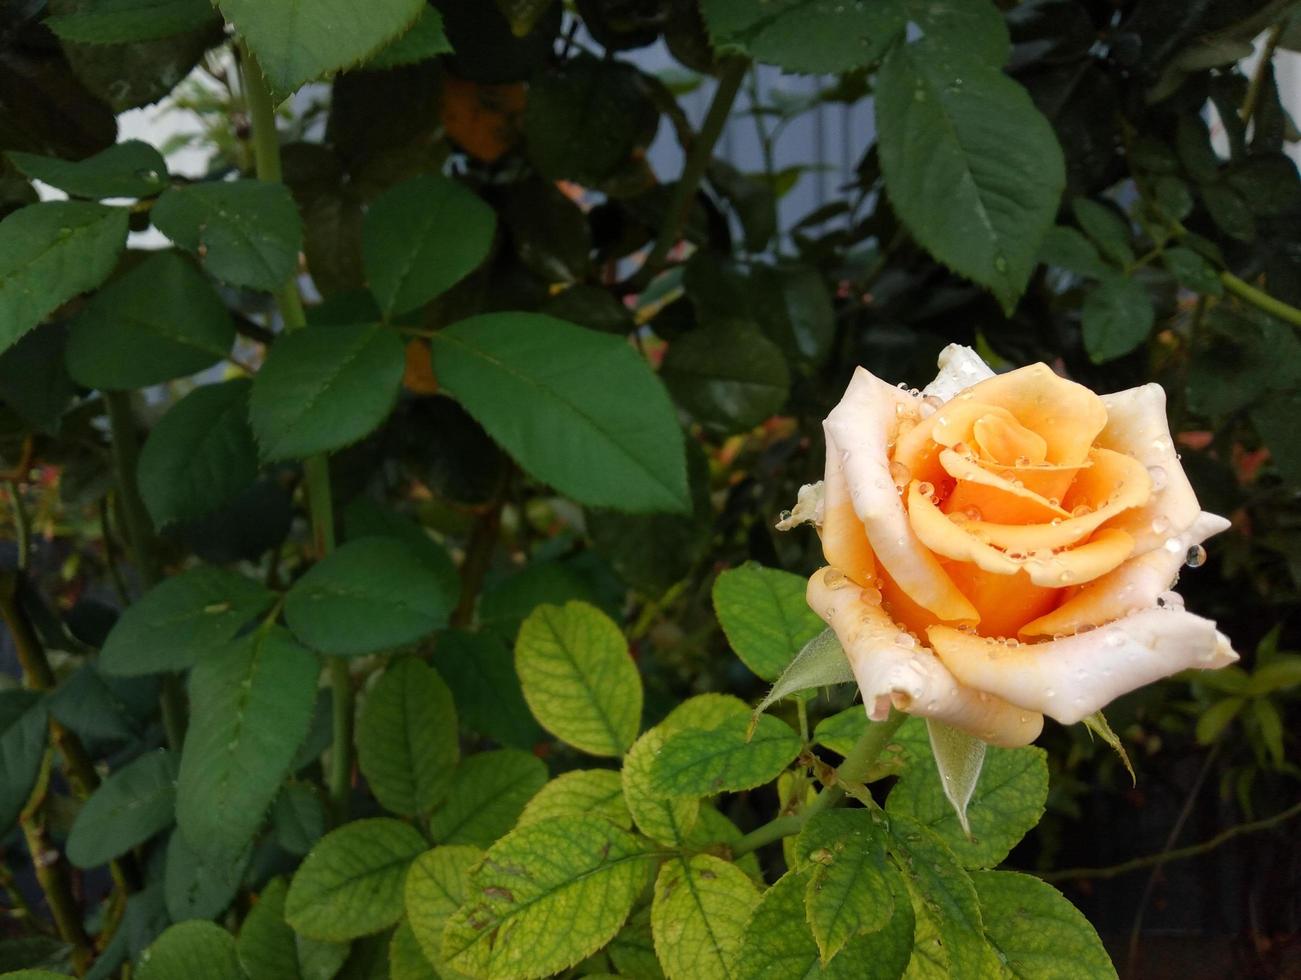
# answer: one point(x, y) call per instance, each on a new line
point(1068, 415)
point(1075, 676)
point(945, 538)
point(1083, 563)
point(1005, 602)
point(998, 499)
point(919, 448)
point(1137, 426)
point(1129, 486)
point(807, 510)
point(1007, 441)
point(1134, 585)
point(960, 367)
point(910, 677)
point(844, 542)
point(859, 427)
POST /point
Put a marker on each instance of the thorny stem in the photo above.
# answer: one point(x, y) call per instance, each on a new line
point(316, 469)
point(1261, 299)
point(852, 770)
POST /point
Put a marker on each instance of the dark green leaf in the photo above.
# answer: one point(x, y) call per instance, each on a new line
point(1106, 227)
point(23, 733)
point(811, 36)
point(371, 594)
point(49, 253)
point(131, 806)
point(251, 705)
point(197, 889)
point(129, 169)
point(247, 232)
point(201, 454)
point(422, 237)
point(480, 670)
point(1192, 271)
point(764, 615)
point(295, 43)
point(971, 166)
point(181, 620)
point(1117, 317)
point(269, 950)
point(728, 375)
point(195, 950)
point(578, 409)
point(34, 379)
point(323, 388)
point(423, 40)
point(1067, 249)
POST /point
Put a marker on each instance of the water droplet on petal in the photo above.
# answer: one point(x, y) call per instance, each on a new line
point(1158, 477)
point(834, 579)
point(900, 473)
point(1160, 525)
point(1196, 556)
point(926, 489)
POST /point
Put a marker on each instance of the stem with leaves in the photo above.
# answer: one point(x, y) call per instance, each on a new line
point(852, 770)
point(316, 469)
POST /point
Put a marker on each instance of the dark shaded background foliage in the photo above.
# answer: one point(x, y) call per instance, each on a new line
point(758, 332)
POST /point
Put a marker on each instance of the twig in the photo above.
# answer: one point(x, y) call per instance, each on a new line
point(1177, 854)
point(22, 525)
point(478, 553)
point(1252, 98)
point(1260, 299)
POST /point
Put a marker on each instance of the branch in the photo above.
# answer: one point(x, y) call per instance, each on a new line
point(1178, 854)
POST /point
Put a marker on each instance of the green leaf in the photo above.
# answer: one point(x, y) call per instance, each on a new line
point(778, 944)
point(96, 706)
point(247, 232)
point(585, 119)
point(632, 951)
point(297, 42)
point(323, 388)
point(850, 891)
point(578, 678)
point(370, 594)
point(480, 670)
point(49, 253)
point(251, 708)
point(350, 885)
point(269, 950)
point(1098, 724)
point(23, 733)
point(1067, 249)
point(972, 168)
point(545, 897)
point(420, 238)
point(161, 320)
point(180, 620)
point(821, 662)
point(581, 792)
point(197, 889)
point(816, 37)
point(949, 939)
point(722, 759)
point(840, 731)
point(129, 169)
point(297, 816)
point(133, 804)
point(578, 409)
point(1007, 801)
point(1212, 722)
point(34, 380)
point(1192, 271)
point(425, 39)
point(699, 914)
point(667, 820)
point(728, 375)
point(1039, 934)
point(488, 794)
point(1107, 228)
point(406, 961)
point(407, 743)
point(194, 950)
point(201, 454)
point(765, 616)
point(1117, 317)
point(364, 518)
point(437, 884)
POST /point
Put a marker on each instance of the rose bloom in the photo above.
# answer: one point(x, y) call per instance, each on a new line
point(1001, 548)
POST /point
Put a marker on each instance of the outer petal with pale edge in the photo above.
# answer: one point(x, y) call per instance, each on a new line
point(1075, 676)
point(911, 678)
point(859, 428)
point(960, 367)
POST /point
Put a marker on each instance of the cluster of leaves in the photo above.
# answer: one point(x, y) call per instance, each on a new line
point(525, 442)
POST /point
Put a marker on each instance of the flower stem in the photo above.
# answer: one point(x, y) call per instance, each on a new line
point(852, 770)
point(316, 469)
point(1260, 299)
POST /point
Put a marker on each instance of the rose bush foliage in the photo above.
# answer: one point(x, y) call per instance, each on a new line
point(393, 578)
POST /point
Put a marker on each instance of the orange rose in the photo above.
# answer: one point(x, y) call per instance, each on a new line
point(1000, 547)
